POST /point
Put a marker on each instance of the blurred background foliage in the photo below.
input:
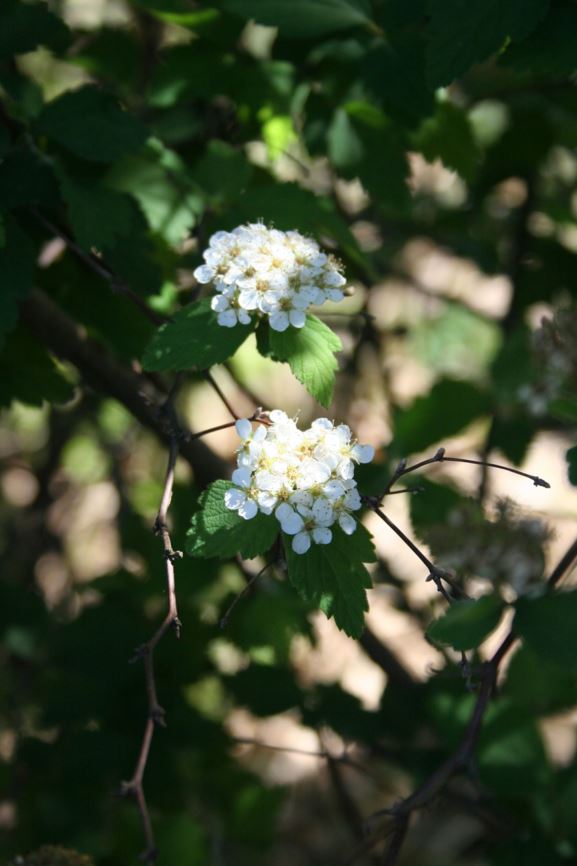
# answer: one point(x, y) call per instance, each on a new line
point(431, 146)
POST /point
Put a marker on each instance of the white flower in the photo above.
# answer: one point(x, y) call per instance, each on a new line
point(270, 274)
point(305, 478)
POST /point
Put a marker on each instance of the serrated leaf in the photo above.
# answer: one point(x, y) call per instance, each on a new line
point(25, 26)
point(161, 184)
point(464, 32)
point(547, 625)
point(303, 19)
point(193, 339)
point(466, 624)
point(309, 352)
point(91, 124)
point(217, 531)
point(333, 578)
point(17, 266)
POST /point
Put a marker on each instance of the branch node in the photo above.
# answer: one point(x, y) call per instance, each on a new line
point(540, 482)
point(158, 716)
point(173, 555)
point(440, 455)
point(139, 653)
point(127, 789)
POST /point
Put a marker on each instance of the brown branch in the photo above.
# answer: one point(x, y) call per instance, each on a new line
point(382, 656)
point(62, 336)
point(440, 457)
point(436, 574)
point(461, 758)
point(134, 787)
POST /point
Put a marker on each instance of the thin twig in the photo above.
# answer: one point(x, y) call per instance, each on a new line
point(440, 457)
point(210, 379)
point(461, 758)
point(134, 787)
point(104, 270)
point(436, 574)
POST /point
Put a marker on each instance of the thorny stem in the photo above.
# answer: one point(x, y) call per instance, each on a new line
point(398, 816)
point(134, 786)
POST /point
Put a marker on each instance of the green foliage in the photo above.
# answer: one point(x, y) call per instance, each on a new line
point(138, 135)
point(547, 624)
point(467, 623)
point(363, 143)
point(25, 26)
point(448, 136)
point(218, 531)
point(91, 124)
point(464, 33)
point(448, 408)
point(43, 379)
point(304, 19)
point(17, 270)
point(309, 352)
point(193, 339)
point(550, 50)
point(333, 577)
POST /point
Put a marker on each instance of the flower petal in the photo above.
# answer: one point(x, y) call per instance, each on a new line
point(301, 542)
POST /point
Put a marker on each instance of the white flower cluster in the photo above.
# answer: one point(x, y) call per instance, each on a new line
point(265, 273)
point(306, 478)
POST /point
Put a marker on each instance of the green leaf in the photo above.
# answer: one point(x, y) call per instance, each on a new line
point(91, 124)
point(17, 267)
point(309, 351)
point(535, 684)
point(551, 50)
point(217, 531)
point(464, 32)
point(363, 143)
point(162, 185)
point(432, 505)
point(448, 408)
point(99, 216)
point(303, 19)
point(193, 339)
point(25, 179)
point(394, 74)
point(547, 625)
point(466, 624)
point(448, 136)
point(25, 26)
point(333, 577)
point(223, 172)
point(571, 458)
point(29, 374)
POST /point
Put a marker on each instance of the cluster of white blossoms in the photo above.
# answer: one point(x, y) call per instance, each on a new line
point(305, 478)
point(259, 272)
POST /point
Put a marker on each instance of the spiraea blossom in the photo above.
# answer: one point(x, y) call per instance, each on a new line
point(305, 478)
point(258, 272)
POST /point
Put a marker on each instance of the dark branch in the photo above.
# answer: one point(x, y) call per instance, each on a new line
point(134, 787)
